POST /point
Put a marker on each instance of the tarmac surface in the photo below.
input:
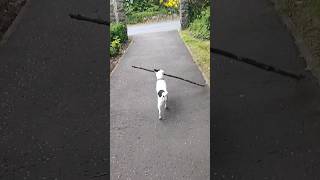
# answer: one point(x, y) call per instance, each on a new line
point(143, 147)
point(53, 111)
point(153, 27)
point(266, 126)
point(53, 84)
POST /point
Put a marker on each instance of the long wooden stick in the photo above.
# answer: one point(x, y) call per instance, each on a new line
point(202, 85)
point(93, 20)
point(256, 64)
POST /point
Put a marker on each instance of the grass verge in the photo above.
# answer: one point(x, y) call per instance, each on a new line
point(200, 51)
point(304, 18)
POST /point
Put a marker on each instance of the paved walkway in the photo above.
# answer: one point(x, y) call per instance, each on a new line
point(52, 93)
point(266, 126)
point(142, 147)
point(153, 27)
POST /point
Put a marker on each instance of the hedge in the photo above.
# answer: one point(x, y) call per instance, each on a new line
point(118, 35)
point(200, 27)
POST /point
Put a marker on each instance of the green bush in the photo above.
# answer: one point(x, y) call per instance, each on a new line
point(200, 27)
point(171, 5)
point(153, 8)
point(118, 35)
point(196, 7)
point(140, 17)
point(137, 6)
point(118, 30)
point(115, 47)
point(140, 11)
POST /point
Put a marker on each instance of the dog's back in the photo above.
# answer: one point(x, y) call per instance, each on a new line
point(161, 88)
point(161, 85)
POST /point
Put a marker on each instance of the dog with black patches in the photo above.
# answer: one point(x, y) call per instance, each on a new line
point(162, 93)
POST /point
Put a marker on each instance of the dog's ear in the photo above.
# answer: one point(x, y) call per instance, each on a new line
point(156, 70)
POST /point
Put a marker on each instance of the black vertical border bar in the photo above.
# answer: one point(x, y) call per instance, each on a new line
point(107, 93)
point(212, 85)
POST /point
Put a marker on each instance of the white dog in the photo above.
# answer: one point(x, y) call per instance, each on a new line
point(162, 92)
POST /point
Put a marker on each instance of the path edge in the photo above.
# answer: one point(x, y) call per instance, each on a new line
point(190, 52)
point(15, 23)
point(304, 51)
point(120, 59)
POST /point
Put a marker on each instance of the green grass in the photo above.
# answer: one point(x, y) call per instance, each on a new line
point(200, 50)
point(305, 16)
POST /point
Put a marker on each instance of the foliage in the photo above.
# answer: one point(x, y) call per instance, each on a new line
point(172, 5)
point(141, 10)
point(115, 46)
point(118, 35)
point(118, 30)
point(196, 7)
point(137, 5)
point(200, 27)
point(140, 17)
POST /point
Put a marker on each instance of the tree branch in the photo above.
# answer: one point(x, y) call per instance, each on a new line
point(202, 85)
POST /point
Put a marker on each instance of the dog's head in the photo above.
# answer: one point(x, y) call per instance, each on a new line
point(159, 73)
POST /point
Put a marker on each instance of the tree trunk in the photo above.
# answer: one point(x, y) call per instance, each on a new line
point(184, 14)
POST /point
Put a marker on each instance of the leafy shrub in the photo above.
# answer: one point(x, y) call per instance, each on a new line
point(200, 27)
point(118, 35)
point(118, 30)
point(140, 11)
point(172, 5)
point(115, 46)
point(140, 17)
point(196, 7)
point(153, 8)
point(137, 6)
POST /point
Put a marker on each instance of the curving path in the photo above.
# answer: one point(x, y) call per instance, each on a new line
point(142, 147)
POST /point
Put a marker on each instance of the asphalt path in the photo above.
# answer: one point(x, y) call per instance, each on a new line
point(53, 84)
point(169, 25)
point(141, 146)
point(266, 126)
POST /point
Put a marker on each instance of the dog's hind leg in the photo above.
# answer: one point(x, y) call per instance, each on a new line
point(165, 102)
point(159, 108)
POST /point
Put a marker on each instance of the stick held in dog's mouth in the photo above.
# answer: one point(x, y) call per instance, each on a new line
point(202, 85)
